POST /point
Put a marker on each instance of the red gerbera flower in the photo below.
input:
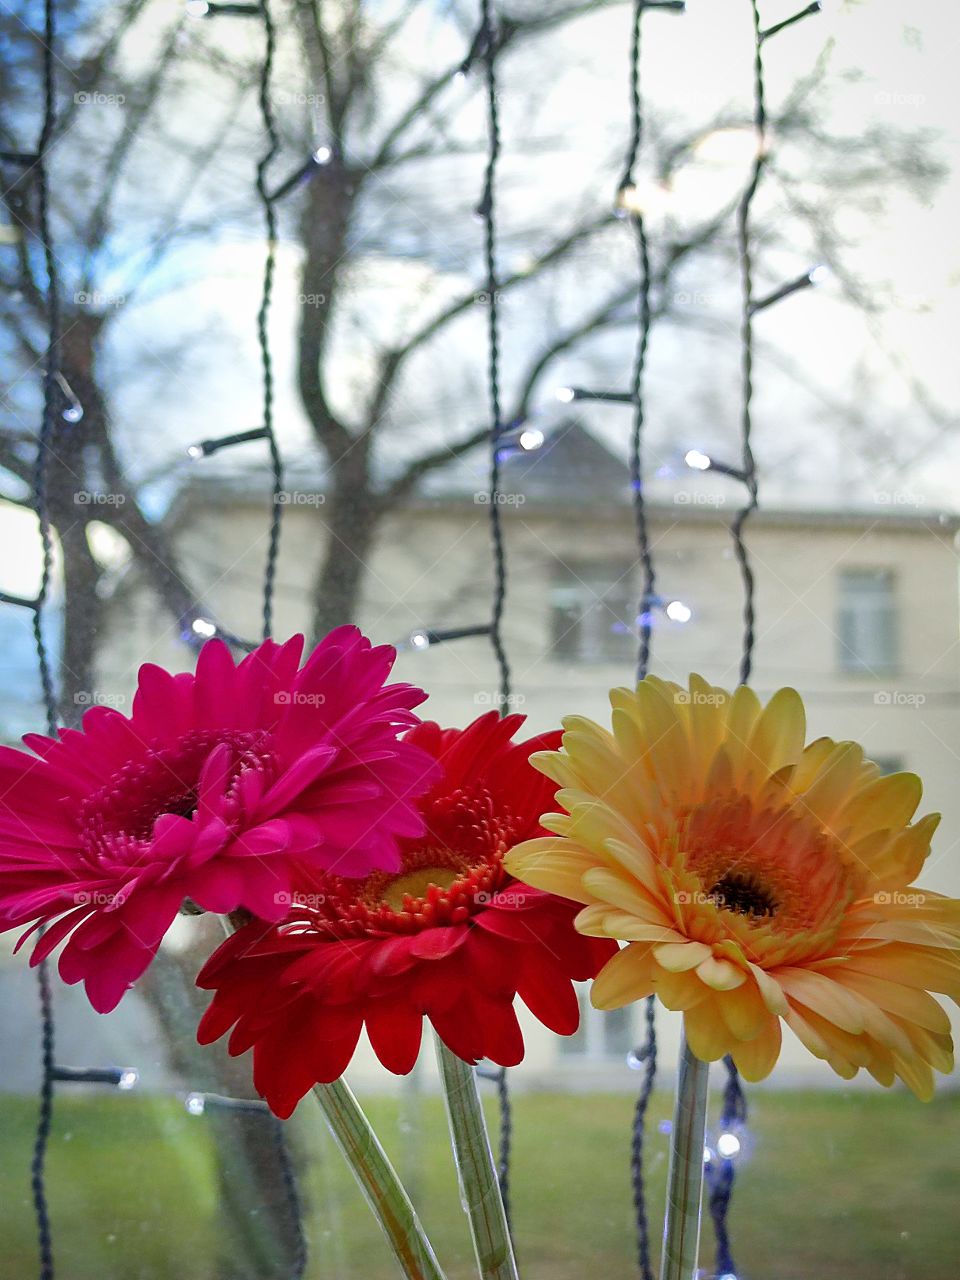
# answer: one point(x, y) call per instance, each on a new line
point(208, 792)
point(450, 936)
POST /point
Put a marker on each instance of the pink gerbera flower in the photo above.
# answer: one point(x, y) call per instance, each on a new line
point(208, 792)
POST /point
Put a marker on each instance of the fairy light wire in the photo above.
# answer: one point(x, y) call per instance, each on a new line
point(287, 1170)
point(485, 47)
point(41, 506)
point(721, 1179)
point(647, 1052)
point(263, 314)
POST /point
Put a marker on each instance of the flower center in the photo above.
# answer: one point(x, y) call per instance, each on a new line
point(745, 894)
point(444, 878)
point(770, 878)
point(116, 822)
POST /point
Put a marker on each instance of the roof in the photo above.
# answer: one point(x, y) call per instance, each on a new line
point(572, 468)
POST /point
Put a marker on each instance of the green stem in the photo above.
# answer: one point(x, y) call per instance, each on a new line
point(681, 1228)
point(479, 1188)
point(378, 1181)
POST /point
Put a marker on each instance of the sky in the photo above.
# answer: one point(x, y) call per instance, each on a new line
point(564, 112)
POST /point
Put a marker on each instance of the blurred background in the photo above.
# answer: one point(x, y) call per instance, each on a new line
point(378, 332)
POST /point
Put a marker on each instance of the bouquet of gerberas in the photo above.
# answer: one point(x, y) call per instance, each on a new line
point(374, 870)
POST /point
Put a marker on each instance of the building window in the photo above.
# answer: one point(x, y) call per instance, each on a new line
point(867, 621)
point(602, 1036)
point(593, 611)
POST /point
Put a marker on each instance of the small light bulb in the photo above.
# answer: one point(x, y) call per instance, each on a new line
point(566, 395)
point(697, 459)
point(819, 274)
point(420, 640)
point(73, 413)
point(677, 611)
point(322, 155)
point(129, 1077)
point(531, 439)
point(707, 1155)
point(203, 627)
point(197, 8)
point(195, 1103)
point(194, 451)
point(728, 1145)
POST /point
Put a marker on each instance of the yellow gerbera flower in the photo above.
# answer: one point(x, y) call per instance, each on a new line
point(752, 879)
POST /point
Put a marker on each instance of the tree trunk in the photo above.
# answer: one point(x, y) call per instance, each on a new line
point(352, 513)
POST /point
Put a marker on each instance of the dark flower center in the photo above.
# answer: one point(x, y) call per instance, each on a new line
point(744, 894)
point(116, 822)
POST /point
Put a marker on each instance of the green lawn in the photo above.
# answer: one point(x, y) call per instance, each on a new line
point(860, 1186)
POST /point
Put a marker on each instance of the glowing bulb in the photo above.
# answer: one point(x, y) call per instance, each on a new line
point(420, 640)
point(677, 611)
point(128, 1078)
point(530, 439)
point(707, 1155)
point(73, 412)
point(728, 1145)
point(203, 627)
point(322, 155)
point(194, 451)
point(566, 395)
point(697, 459)
point(819, 274)
point(195, 1103)
point(197, 8)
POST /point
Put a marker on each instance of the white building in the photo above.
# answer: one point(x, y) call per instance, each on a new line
point(859, 611)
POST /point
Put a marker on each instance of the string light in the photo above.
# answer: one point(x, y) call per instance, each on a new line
point(816, 275)
point(697, 460)
point(424, 639)
point(531, 439)
point(677, 611)
point(728, 1145)
point(123, 1078)
point(318, 159)
point(567, 395)
point(204, 448)
point(73, 411)
point(212, 9)
point(197, 1104)
point(815, 7)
